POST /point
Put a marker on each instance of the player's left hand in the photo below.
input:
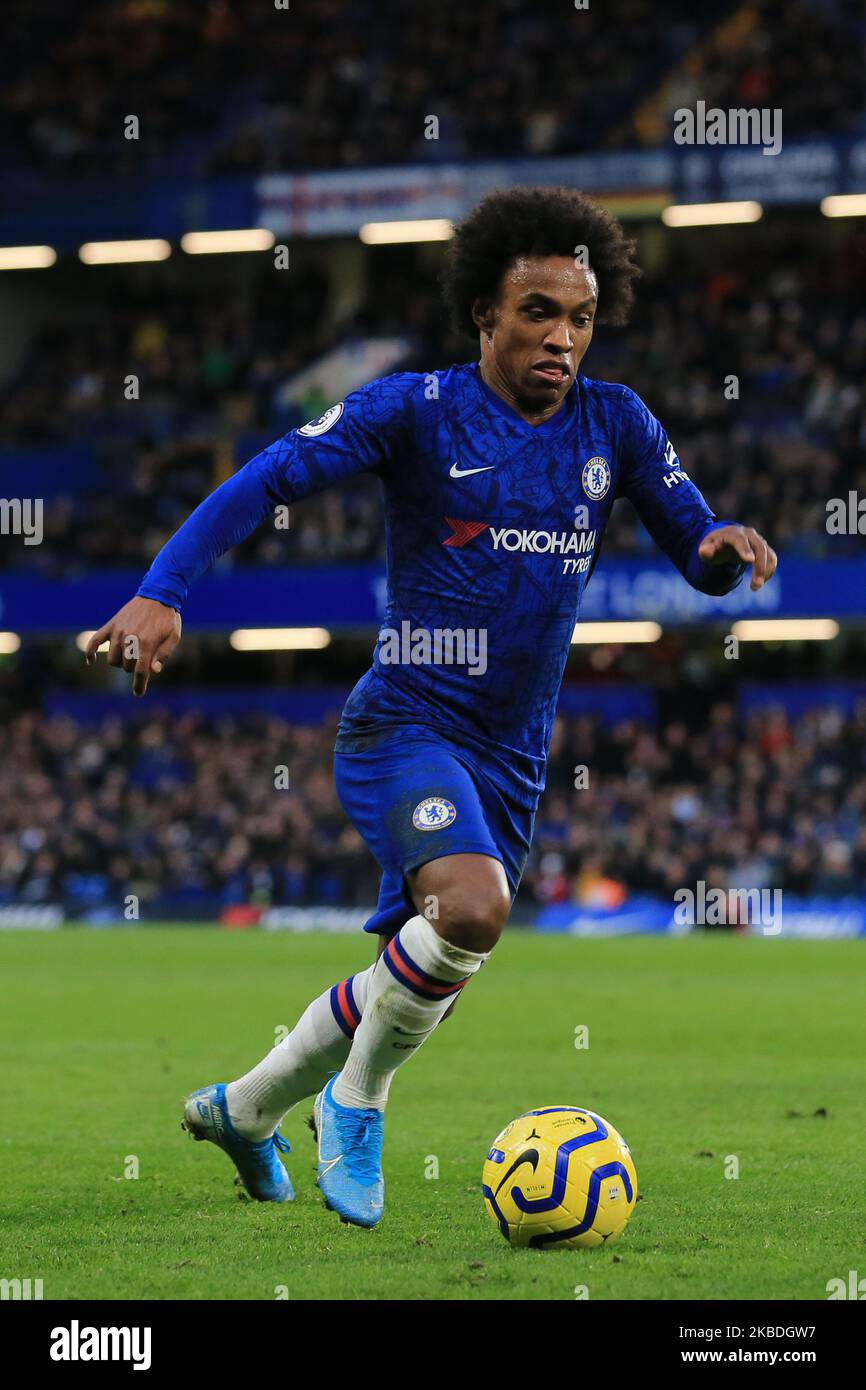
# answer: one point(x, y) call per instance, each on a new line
point(730, 544)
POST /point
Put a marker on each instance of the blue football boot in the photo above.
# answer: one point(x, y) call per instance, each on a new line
point(350, 1158)
point(260, 1170)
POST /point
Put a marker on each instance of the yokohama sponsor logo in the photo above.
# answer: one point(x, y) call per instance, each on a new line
point(462, 532)
point(543, 542)
point(512, 538)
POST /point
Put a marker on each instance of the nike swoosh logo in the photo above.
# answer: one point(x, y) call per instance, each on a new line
point(326, 1167)
point(529, 1156)
point(465, 472)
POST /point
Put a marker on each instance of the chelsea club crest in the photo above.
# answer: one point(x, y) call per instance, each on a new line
point(434, 813)
point(596, 478)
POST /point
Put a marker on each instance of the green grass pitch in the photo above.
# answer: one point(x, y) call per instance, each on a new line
point(699, 1048)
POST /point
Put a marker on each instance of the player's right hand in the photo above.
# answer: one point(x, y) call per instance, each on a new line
point(141, 637)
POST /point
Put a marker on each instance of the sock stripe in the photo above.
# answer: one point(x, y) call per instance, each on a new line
point(350, 998)
point(343, 1007)
point(404, 969)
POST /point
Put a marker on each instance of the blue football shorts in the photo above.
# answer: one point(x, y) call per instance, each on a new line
point(413, 795)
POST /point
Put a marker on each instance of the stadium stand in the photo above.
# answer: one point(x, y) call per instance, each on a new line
point(183, 812)
point(382, 67)
point(210, 398)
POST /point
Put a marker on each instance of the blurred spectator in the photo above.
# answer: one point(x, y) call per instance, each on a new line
point(184, 812)
point(210, 390)
point(226, 88)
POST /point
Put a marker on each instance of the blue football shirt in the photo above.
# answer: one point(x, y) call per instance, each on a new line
point(493, 527)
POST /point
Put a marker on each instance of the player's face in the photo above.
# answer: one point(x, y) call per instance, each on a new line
point(539, 328)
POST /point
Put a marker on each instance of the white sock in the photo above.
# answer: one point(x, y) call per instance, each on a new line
point(300, 1065)
point(413, 983)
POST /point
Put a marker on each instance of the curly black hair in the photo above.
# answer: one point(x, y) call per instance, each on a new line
point(517, 222)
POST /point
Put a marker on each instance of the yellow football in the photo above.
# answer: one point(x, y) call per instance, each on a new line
point(559, 1176)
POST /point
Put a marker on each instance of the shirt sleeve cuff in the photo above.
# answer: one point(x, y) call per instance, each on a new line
point(146, 589)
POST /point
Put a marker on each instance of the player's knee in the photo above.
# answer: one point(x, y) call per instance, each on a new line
point(467, 899)
point(475, 922)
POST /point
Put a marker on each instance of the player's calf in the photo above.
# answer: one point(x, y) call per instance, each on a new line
point(414, 982)
point(299, 1066)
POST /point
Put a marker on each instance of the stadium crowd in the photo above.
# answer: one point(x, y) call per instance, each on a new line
point(343, 83)
point(770, 449)
point(806, 60)
point(190, 814)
